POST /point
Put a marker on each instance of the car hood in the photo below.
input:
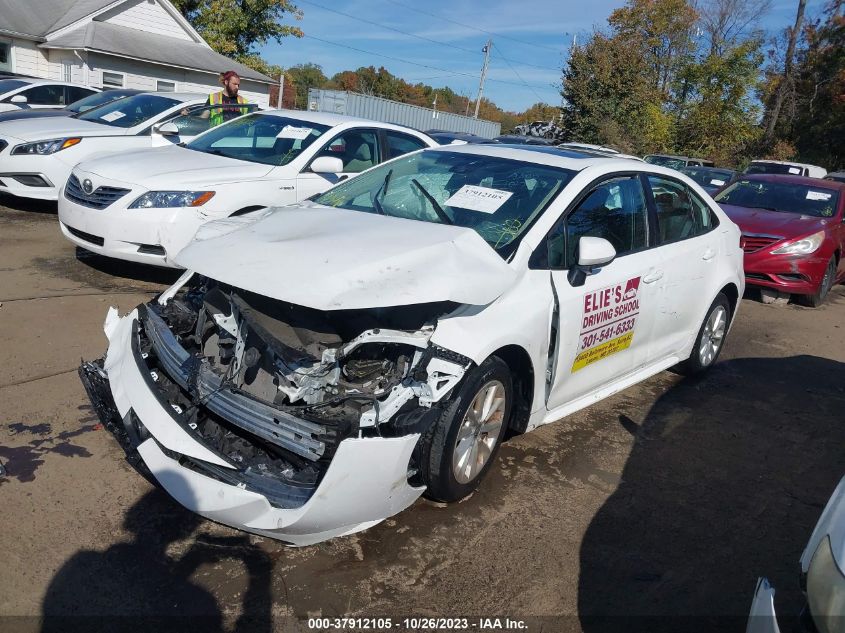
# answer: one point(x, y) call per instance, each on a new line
point(765, 222)
point(43, 128)
point(20, 115)
point(334, 259)
point(173, 167)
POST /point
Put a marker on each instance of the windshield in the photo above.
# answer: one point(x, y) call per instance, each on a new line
point(665, 161)
point(778, 196)
point(95, 100)
point(498, 198)
point(260, 138)
point(773, 168)
point(709, 177)
point(7, 85)
point(130, 111)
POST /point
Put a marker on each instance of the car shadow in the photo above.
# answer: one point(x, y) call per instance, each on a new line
point(725, 481)
point(128, 270)
point(47, 207)
point(150, 582)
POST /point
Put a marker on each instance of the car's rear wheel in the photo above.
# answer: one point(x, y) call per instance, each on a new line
point(460, 448)
point(711, 337)
point(815, 300)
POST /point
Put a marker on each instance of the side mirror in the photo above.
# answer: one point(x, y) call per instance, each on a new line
point(167, 129)
point(327, 165)
point(18, 99)
point(593, 253)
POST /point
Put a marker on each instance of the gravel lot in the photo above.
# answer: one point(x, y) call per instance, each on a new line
point(668, 499)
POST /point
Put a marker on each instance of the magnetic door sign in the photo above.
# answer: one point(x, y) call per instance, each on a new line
point(608, 322)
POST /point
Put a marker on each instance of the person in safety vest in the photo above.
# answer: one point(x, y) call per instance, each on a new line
point(227, 100)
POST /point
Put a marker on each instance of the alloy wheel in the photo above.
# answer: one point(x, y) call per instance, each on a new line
point(713, 335)
point(479, 432)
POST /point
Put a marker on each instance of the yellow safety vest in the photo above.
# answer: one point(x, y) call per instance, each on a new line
point(215, 116)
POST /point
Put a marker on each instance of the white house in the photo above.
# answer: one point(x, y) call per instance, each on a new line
point(142, 44)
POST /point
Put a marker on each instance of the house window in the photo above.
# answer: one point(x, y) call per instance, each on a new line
point(112, 80)
point(67, 71)
point(165, 86)
point(5, 56)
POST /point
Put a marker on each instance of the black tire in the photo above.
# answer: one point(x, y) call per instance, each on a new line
point(438, 444)
point(695, 364)
point(815, 300)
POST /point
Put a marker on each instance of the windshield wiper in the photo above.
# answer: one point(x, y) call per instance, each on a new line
point(382, 189)
point(435, 205)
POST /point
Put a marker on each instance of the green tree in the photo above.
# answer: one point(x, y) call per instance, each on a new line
point(608, 93)
point(818, 132)
point(719, 117)
point(304, 77)
point(235, 27)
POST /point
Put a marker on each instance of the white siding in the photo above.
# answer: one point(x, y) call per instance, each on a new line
point(58, 58)
point(142, 76)
point(145, 15)
point(28, 59)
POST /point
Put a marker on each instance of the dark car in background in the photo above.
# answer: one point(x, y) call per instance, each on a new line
point(677, 162)
point(518, 139)
point(793, 234)
point(445, 137)
point(77, 107)
point(711, 179)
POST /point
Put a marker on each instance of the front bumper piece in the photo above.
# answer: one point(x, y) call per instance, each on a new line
point(366, 481)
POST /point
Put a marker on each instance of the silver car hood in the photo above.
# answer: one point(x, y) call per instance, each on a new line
point(335, 259)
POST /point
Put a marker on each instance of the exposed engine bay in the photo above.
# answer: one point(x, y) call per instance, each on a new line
point(274, 387)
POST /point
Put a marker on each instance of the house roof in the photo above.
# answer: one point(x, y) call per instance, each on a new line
point(112, 39)
point(37, 18)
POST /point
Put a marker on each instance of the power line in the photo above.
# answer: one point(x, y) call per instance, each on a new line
point(475, 28)
point(419, 37)
point(407, 61)
point(518, 76)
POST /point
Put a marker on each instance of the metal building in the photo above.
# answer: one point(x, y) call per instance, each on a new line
point(379, 109)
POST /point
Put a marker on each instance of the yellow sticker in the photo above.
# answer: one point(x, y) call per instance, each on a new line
point(602, 351)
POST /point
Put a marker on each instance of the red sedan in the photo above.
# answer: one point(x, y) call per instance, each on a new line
point(793, 232)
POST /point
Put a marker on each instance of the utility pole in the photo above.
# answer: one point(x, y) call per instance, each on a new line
point(486, 50)
point(281, 89)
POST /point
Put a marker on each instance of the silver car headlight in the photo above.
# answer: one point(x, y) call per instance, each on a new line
point(172, 199)
point(804, 246)
point(826, 590)
point(43, 148)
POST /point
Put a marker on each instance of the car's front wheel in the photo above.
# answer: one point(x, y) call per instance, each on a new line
point(711, 337)
point(459, 449)
point(815, 300)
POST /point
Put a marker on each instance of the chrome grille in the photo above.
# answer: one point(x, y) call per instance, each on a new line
point(100, 198)
point(751, 243)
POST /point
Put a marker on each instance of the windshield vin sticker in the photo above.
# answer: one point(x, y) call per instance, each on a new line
point(298, 133)
point(113, 116)
point(608, 322)
point(818, 195)
point(716, 181)
point(477, 198)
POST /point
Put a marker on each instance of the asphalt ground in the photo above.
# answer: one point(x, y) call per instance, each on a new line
point(657, 508)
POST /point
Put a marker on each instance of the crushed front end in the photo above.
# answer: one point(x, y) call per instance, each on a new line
point(278, 419)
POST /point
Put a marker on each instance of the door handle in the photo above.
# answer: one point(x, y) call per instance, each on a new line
point(708, 254)
point(655, 276)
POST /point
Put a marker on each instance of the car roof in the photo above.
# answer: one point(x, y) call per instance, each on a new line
point(600, 148)
point(331, 119)
point(179, 96)
point(796, 180)
point(784, 162)
point(709, 167)
point(678, 157)
point(550, 156)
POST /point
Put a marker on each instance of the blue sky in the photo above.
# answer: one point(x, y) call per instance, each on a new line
point(440, 41)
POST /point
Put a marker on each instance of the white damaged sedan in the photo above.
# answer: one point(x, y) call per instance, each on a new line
point(322, 365)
